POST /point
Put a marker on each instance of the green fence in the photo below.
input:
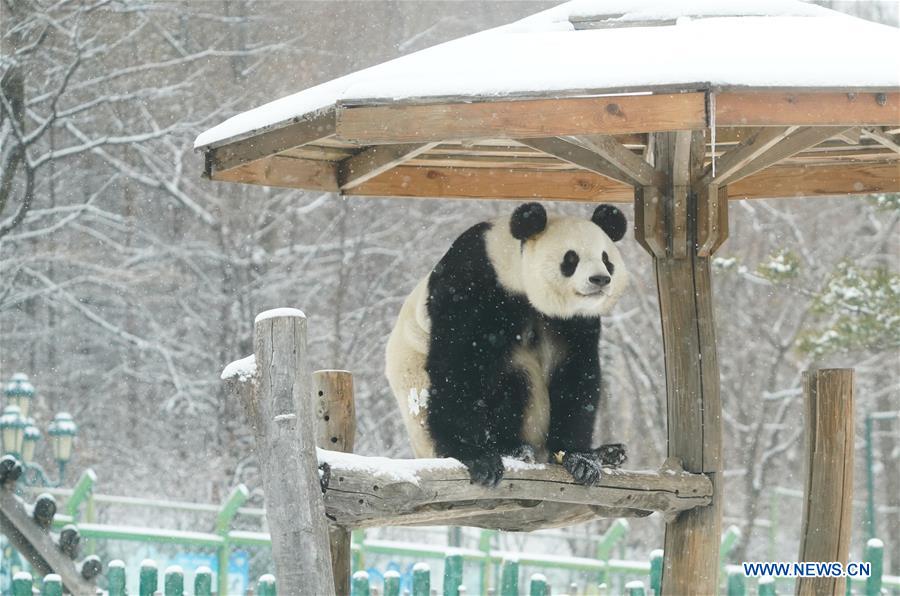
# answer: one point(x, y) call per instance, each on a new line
point(172, 584)
point(498, 570)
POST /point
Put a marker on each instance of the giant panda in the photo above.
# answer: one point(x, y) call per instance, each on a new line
point(495, 352)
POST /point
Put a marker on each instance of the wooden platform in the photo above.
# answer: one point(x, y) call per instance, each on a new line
point(374, 491)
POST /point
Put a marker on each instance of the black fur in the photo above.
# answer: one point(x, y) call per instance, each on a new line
point(527, 220)
point(477, 398)
point(611, 220)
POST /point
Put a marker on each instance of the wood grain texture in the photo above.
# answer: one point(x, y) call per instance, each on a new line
point(478, 183)
point(649, 220)
point(689, 345)
point(269, 142)
point(775, 108)
point(294, 508)
point(746, 151)
point(579, 156)
point(370, 162)
point(799, 140)
point(336, 430)
point(37, 546)
point(513, 119)
point(818, 181)
point(694, 417)
point(365, 492)
point(828, 487)
point(639, 171)
point(286, 172)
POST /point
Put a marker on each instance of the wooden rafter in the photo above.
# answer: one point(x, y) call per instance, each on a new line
point(822, 181)
point(580, 156)
point(638, 170)
point(498, 183)
point(524, 118)
point(792, 180)
point(373, 161)
point(748, 150)
point(763, 108)
point(266, 143)
point(882, 138)
point(284, 171)
point(792, 143)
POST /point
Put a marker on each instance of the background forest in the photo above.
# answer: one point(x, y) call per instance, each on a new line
point(127, 282)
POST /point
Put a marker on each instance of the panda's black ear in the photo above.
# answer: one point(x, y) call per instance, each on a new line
point(527, 220)
point(611, 220)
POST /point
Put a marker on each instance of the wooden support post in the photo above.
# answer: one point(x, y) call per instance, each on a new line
point(281, 398)
point(667, 221)
point(828, 489)
point(336, 430)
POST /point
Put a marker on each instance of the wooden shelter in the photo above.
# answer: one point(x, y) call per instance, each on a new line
point(680, 107)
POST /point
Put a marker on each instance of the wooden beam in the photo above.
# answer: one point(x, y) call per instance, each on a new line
point(269, 142)
point(677, 207)
point(282, 417)
point(577, 155)
point(796, 141)
point(692, 374)
point(365, 491)
point(513, 119)
point(336, 430)
point(484, 183)
point(284, 171)
point(373, 161)
point(746, 151)
point(828, 487)
point(882, 138)
point(773, 108)
point(641, 172)
point(40, 549)
point(818, 181)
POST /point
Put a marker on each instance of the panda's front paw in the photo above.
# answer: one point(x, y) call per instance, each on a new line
point(611, 454)
point(524, 453)
point(486, 470)
point(583, 467)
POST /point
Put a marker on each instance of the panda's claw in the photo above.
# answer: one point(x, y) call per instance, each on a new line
point(486, 470)
point(611, 455)
point(583, 467)
point(525, 453)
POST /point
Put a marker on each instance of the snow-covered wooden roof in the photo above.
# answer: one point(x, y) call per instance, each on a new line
point(532, 97)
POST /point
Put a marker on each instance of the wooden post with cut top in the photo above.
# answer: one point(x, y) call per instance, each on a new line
point(336, 431)
point(828, 486)
point(681, 222)
point(282, 411)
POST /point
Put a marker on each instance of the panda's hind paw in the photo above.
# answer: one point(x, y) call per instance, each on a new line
point(611, 454)
point(486, 470)
point(583, 467)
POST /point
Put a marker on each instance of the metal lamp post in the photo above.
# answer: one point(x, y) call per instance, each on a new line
point(19, 392)
point(12, 430)
point(30, 441)
point(19, 435)
point(62, 431)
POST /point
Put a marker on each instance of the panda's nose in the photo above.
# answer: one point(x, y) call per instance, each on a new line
point(599, 280)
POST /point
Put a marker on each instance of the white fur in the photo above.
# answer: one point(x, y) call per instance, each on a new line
point(533, 269)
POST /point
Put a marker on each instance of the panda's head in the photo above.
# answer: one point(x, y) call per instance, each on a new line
point(571, 267)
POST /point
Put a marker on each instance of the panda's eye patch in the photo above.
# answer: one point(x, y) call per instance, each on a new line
point(609, 266)
point(569, 263)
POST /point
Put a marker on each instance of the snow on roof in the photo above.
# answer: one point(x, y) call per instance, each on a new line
point(698, 43)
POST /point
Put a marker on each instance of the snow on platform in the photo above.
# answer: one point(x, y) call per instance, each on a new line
point(587, 47)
